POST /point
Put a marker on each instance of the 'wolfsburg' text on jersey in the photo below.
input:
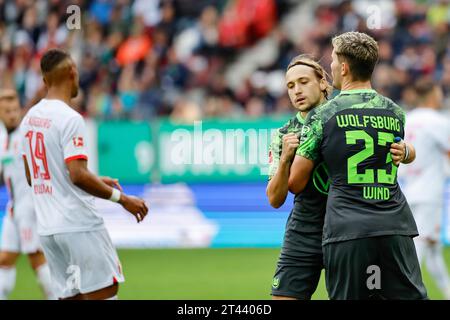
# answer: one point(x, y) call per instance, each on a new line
point(353, 133)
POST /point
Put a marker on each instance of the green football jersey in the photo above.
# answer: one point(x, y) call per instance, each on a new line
point(309, 205)
point(352, 134)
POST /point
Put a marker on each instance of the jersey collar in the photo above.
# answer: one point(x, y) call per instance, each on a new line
point(357, 91)
point(300, 118)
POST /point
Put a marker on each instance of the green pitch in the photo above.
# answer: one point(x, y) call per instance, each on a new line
point(194, 274)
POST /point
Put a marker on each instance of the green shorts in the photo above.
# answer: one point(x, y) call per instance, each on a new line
point(384, 267)
point(300, 262)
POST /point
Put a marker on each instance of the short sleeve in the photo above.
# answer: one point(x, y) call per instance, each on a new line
point(274, 154)
point(311, 138)
point(74, 139)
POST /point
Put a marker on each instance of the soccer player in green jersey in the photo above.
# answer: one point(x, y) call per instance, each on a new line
point(300, 262)
point(369, 228)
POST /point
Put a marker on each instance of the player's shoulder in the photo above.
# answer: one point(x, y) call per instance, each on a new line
point(53, 108)
point(66, 110)
point(66, 117)
point(284, 128)
point(324, 111)
point(294, 124)
point(437, 119)
point(389, 103)
point(15, 134)
point(390, 106)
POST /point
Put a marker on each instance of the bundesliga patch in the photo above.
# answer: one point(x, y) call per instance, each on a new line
point(78, 142)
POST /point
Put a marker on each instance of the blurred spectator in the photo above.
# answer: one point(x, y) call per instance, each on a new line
point(140, 59)
point(245, 21)
point(185, 112)
point(151, 9)
point(438, 12)
point(202, 37)
point(136, 46)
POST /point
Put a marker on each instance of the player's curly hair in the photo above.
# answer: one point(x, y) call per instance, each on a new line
point(308, 60)
point(359, 50)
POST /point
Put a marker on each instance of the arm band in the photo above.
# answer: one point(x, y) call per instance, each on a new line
point(115, 197)
point(406, 153)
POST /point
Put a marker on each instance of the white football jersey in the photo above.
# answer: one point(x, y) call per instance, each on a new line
point(14, 172)
point(424, 179)
point(54, 134)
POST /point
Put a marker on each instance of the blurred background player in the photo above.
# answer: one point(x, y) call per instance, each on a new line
point(19, 234)
point(83, 262)
point(424, 179)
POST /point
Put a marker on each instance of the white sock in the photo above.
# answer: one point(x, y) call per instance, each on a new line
point(438, 270)
point(7, 281)
point(43, 275)
point(113, 298)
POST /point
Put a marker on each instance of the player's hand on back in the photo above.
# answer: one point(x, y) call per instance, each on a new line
point(134, 205)
point(112, 182)
point(398, 152)
point(290, 145)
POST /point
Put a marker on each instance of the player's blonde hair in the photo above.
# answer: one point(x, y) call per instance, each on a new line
point(359, 50)
point(319, 71)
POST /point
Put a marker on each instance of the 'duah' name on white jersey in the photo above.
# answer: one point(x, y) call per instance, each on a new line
point(424, 179)
point(54, 134)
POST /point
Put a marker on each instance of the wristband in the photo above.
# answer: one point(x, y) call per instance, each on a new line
point(406, 153)
point(115, 196)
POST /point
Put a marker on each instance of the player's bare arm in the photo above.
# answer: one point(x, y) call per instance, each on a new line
point(27, 170)
point(301, 167)
point(277, 188)
point(301, 170)
point(90, 183)
point(112, 182)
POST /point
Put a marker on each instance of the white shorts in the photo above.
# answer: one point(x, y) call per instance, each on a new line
point(428, 217)
point(81, 262)
point(19, 233)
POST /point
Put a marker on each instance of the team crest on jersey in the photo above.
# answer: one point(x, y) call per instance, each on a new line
point(78, 142)
point(305, 129)
point(276, 282)
point(321, 178)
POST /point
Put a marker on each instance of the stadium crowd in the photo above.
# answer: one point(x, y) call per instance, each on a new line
point(145, 58)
